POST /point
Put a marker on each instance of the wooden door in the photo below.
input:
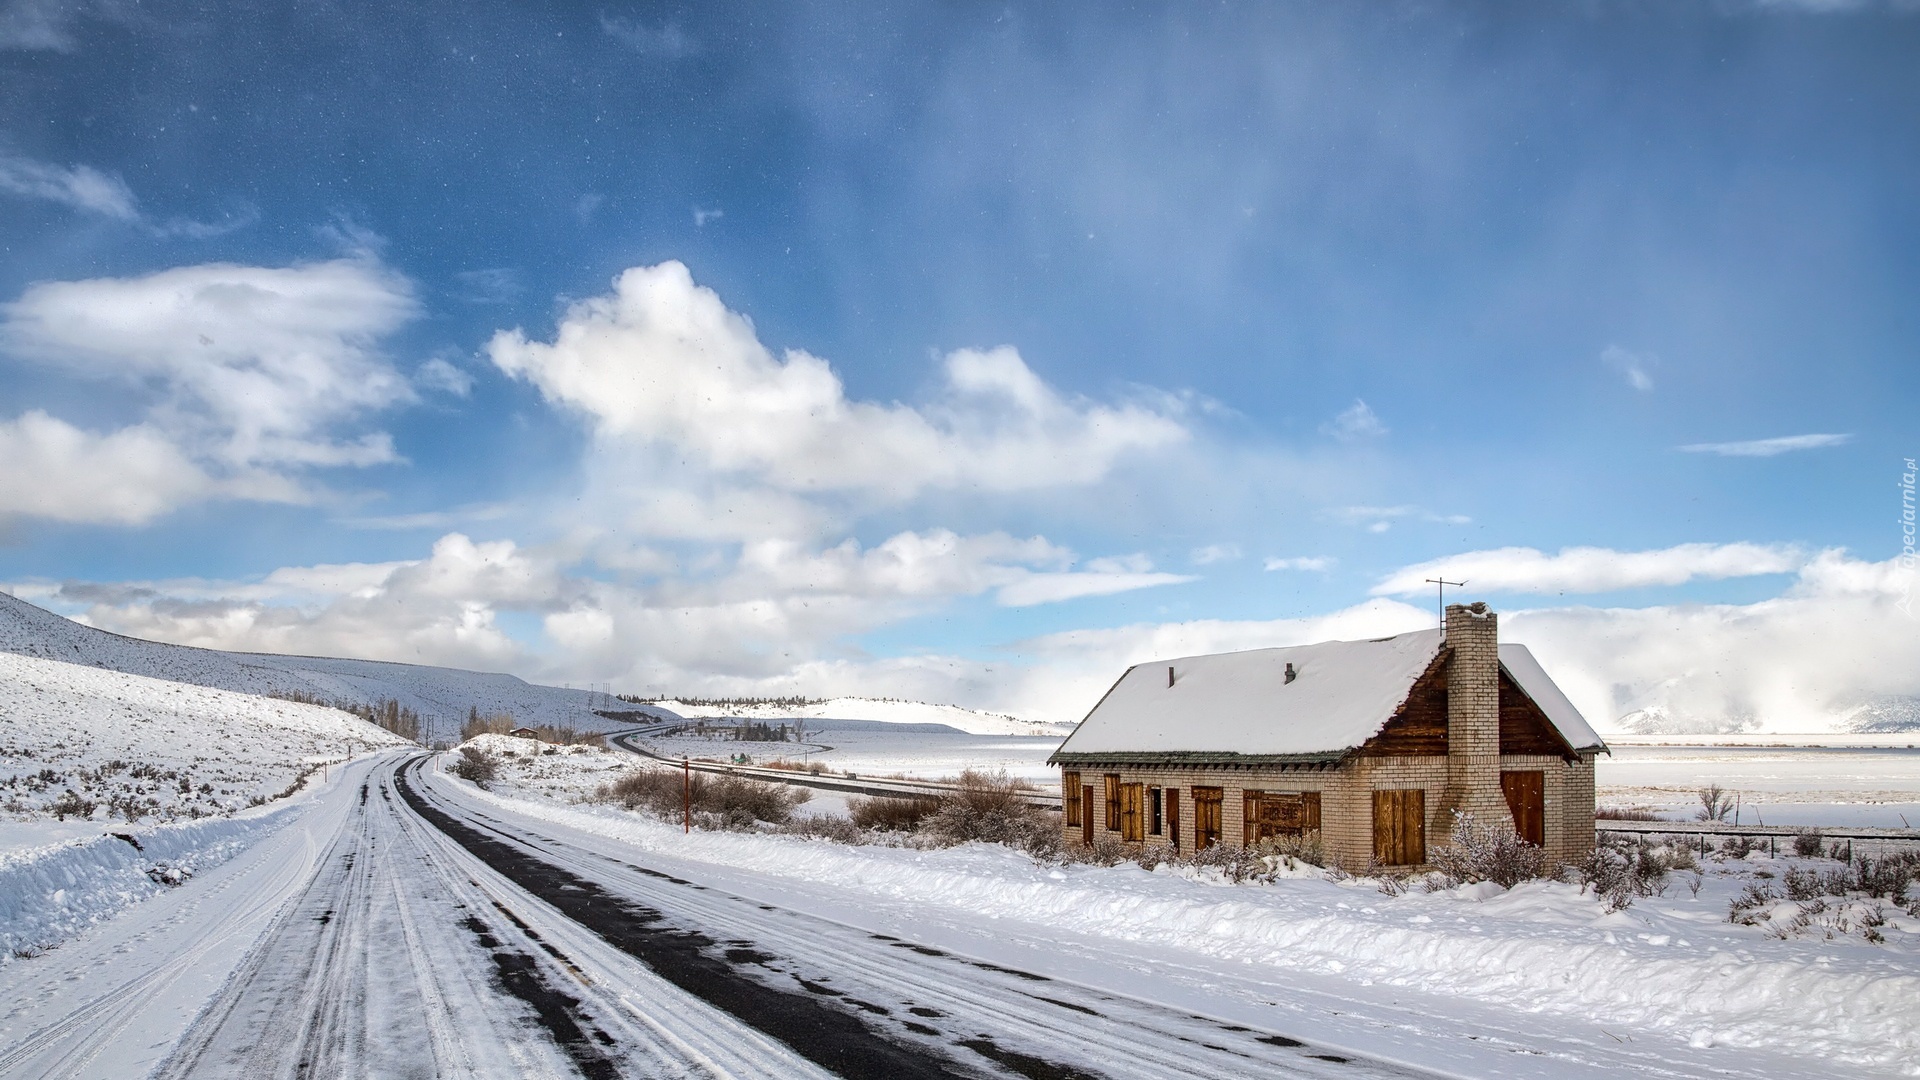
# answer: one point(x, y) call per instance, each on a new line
point(1206, 817)
point(1086, 816)
point(1527, 799)
point(1400, 827)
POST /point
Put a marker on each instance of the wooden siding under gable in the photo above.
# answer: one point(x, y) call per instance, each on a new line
point(1524, 727)
point(1419, 727)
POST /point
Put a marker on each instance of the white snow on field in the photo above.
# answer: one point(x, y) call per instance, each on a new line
point(1670, 965)
point(442, 696)
point(878, 709)
point(109, 747)
point(874, 749)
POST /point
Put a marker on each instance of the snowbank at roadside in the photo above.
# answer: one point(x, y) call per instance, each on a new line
point(50, 893)
point(1670, 964)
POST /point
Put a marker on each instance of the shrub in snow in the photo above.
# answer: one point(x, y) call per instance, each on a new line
point(477, 765)
point(1807, 843)
point(990, 807)
point(1478, 853)
point(720, 802)
point(70, 805)
point(890, 815)
point(1619, 871)
point(1716, 804)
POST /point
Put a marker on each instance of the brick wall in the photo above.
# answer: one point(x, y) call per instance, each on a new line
point(1473, 721)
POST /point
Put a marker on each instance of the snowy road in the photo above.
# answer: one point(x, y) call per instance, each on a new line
point(401, 930)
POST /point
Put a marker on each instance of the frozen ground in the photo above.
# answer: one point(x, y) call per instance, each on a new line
point(884, 749)
point(1670, 975)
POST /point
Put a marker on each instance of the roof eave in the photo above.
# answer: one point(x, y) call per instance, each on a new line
point(1193, 758)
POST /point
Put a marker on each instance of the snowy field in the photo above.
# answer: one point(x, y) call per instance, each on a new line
point(1670, 971)
point(920, 751)
point(101, 748)
point(1845, 782)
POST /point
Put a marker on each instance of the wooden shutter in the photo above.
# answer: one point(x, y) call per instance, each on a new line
point(1400, 827)
point(1251, 804)
point(1173, 817)
point(1206, 817)
point(1113, 802)
point(1310, 811)
point(1526, 792)
point(1070, 796)
point(1086, 816)
point(1131, 817)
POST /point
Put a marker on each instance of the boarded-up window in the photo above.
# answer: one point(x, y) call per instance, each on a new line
point(1113, 802)
point(1206, 817)
point(1133, 812)
point(1153, 811)
point(1271, 815)
point(1070, 796)
point(1086, 815)
point(1400, 827)
point(1527, 799)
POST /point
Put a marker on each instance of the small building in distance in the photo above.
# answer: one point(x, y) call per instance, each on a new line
point(525, 733)
point(1367, 746)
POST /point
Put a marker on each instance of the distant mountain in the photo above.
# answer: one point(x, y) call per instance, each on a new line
point(882, 710)
point(442, 696)
point(1660, 720)
point(1886, 714)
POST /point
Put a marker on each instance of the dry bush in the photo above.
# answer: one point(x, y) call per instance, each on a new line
point(1619, 871)
point(490, 724)
point(725, 801)
point(1716, 803)
point(1487, 853)
point(1807, 843)
point(988, 807)
point(476, 765)
point(889, 814)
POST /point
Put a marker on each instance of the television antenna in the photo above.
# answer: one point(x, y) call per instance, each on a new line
point(1441, 588)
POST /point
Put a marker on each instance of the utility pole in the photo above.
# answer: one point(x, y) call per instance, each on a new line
point(1442, 584)
point(686, 794)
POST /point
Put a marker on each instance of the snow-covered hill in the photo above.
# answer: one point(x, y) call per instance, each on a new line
point(877, 709)
point(442, 696)
point(89, 743)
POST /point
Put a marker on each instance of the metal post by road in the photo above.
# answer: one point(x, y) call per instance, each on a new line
point(686, 795)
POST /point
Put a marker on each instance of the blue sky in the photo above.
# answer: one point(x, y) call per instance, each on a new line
point(970, 352)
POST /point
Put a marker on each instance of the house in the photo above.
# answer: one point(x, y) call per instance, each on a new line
point(525, 733)
point(1368, 746)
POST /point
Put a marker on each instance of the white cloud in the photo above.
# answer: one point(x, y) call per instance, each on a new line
point(662, 361)
point(128, 477)
point(1593, 569)
point(666, 41)
point(81, 187)
point(439, 374)
point(701, 216)
point(250, 369)
point(1784, 444)
point(1318, 564)
point(1356, 422)
point(1633, 367)
point(1074, 585)
point(1214, 553)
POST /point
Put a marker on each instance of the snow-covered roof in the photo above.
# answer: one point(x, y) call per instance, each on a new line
point(1529, 676)
point(1239, 705)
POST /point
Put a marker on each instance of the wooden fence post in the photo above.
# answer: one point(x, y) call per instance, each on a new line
point(686, 795)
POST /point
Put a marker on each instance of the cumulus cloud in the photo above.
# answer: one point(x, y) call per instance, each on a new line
point(1356, 422)
point(128, 477)
point(1784, 444)
point(442, 609)
point(1633, 367)
point(1594, 569)
point(662, 361)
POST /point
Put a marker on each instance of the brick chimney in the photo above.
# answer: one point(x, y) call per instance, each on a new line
point(1473, 720)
